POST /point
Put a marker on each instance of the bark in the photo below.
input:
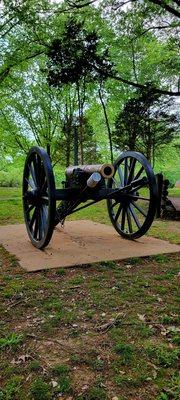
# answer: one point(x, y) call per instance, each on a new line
point(112, 75)
point(107, 124)
point(68, 151)
point(166, 7)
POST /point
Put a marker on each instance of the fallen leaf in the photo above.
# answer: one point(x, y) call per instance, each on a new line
point(141, 317)
point(54, 384)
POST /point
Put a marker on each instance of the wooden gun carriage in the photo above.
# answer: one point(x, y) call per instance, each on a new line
point(128, 186)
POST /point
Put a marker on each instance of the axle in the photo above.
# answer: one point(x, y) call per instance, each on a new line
point(124, 195)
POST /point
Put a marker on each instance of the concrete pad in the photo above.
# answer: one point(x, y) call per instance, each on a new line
point(79, 242)
point(175, 202)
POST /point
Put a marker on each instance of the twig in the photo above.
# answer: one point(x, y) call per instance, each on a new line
point(110, 324)
point(61, 343)
point(14, 304)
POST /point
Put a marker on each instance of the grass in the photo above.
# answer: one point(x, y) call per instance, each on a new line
point(10, 192)
point(40, 390)
point(174, 192)
point(11, 341)
point(98, 332)
point(56, 341)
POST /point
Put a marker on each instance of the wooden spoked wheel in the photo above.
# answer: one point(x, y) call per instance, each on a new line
point(39, 197)
point(133, 212)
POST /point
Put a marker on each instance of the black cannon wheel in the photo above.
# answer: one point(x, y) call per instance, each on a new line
point(39, 197)
point(133, 214)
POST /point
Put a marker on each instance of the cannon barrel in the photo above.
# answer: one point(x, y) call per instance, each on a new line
point(106, 170)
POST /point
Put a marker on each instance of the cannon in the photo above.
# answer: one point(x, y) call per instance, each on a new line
point(128, 186)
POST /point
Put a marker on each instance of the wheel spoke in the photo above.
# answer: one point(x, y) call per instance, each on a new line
point(135, 185)
point(31, 169)
point(139, 173)
point(129, 220)
point(30, 208)
point(32, 219)
point(36, 165)
point(125, 171)
point(123, 219)
point(45, 210)
point(42, 175)
point(43, 219)
point(45, 199)
point(131, 172)
point(44, 186)
point(40, 224)
point(116, 183)
point(36, 223)
point(143, 184)
point(120, 175)
point(43, 178)
point(139, 209)
point(134, 197)
point(118, 213)
point(134, 216)
point(114, 204)
point(30, 183)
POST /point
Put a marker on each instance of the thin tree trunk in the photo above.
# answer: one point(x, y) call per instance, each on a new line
point(67, 152)
point(80, 125)
point(107, 124)
point(149, 143)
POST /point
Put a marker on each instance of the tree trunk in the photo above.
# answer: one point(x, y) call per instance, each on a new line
point(68, 150)
point(80, 106)
point(107, 124)
point(132, 140)
point(75, 145)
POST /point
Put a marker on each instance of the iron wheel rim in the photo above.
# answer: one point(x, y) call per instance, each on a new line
point(129, 217)
point(39, 202)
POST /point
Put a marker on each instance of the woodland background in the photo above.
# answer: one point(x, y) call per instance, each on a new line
point(88, 79)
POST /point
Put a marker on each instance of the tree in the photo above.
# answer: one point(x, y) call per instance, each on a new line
point(73, 59)
point(137, 25)
point(145, 123)
point(142, 38)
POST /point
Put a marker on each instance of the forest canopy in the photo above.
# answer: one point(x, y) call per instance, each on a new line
point(79, 65)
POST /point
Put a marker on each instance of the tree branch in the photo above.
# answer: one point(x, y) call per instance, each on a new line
point(5, 73)
point(158, 28)
point(166, 7)
point(141, 86)
point(8, 30)
point(134, 64)
point(80, 4)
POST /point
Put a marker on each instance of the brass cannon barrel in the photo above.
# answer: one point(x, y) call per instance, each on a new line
point(106, 170)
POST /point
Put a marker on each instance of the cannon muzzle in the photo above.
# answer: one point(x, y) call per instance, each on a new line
point(106, 170)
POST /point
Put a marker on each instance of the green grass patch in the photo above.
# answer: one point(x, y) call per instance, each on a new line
point(94, 393)
point(40, 390)
point(11, 341)
point(99, 332)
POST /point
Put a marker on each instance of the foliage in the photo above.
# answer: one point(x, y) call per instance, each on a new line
point(40, 390)
point(123, 46)
point(146, 123)
point(12, 341)
point(75, 56)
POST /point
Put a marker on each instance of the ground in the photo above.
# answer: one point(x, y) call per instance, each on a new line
point(102, 331)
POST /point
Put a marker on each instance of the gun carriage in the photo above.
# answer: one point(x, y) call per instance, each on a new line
point(128, 186)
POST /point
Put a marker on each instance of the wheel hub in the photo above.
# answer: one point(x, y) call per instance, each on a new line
point(123, 198)
point(34, 197)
